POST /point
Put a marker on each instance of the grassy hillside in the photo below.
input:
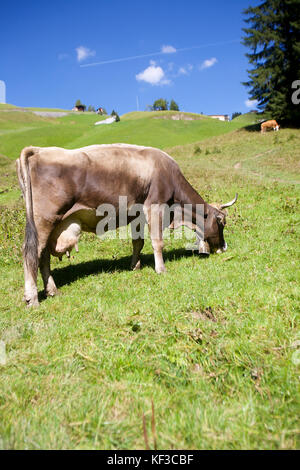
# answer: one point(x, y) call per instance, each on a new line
point(19, 129)
point(159, 133)
point(160, 114)
point(7, 106)
point(248, 119)
point(214, 342)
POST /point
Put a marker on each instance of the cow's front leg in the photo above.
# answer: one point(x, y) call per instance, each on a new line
point(49, 284)
point(158, 245)
point(154, 217)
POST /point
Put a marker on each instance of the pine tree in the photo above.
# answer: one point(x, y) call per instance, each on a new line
point(273, 36)
point(114, 113)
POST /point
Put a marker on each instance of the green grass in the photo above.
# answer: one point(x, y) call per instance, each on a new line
point(4, 106)
point(7, 106)
point(19, 129)
point(159, 133)
point(248, 118)
point(50, 109)
point(133, 115)
point(213, 342)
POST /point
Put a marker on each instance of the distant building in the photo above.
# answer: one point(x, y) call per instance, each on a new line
point(2, 92)
point(221, 117)
point(80, 107)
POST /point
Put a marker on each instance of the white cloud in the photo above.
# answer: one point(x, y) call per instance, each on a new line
point(153, 75)
point(185, 70)
point(208, 63)
point(182, 71)
point(83, 53)
point(251, 103)
point(168, 49)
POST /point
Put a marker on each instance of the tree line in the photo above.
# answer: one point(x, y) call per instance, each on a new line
point(163, 105)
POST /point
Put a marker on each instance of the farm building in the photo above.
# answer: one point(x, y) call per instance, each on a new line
point(221, 117)
point(80, 107)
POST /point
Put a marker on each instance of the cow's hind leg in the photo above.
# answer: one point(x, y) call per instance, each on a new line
point(49, 284)
point(30, 254)
point(137, 232)
point(30, 277)
point(137, 246)
point(35, 255)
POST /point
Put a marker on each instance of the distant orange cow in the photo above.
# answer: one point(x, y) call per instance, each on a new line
point(269, 125)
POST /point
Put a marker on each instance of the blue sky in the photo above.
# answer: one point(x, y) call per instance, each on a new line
point(45, 48)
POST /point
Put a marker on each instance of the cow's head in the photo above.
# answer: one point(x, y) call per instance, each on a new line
point(214, 224)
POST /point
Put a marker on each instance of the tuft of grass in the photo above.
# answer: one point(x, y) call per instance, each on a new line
point(197, 150)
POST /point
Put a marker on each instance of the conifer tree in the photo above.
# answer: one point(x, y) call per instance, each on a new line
point(273, 36)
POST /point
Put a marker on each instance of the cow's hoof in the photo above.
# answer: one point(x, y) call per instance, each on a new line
point(137, 266)
point(161, 270)
point(52, 293)
point(32, 302)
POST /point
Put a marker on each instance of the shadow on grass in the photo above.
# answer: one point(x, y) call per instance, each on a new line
point(68, 274)
point(252, 127)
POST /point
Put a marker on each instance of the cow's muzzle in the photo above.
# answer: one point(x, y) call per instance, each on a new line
point(223, 249)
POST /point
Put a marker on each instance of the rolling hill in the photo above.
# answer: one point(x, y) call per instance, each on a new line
point(212, 343)
point(20, 128)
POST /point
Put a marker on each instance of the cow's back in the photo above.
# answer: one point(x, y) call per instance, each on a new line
point(99, 174)
point(121, 159)
point(129, 170)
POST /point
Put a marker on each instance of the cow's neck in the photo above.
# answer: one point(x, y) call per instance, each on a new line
point(186, 194)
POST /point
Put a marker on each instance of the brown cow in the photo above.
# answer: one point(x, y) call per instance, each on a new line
point(63, 190)
point(269, 125)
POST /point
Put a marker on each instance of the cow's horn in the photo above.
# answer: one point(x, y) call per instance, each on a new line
point(223, 206)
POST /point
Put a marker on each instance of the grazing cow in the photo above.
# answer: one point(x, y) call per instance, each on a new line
point(269, 125)
point(63, 189)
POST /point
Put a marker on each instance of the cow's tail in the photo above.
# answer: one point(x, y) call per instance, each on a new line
point(30, 247)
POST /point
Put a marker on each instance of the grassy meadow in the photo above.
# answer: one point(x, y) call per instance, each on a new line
point(214, 343)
